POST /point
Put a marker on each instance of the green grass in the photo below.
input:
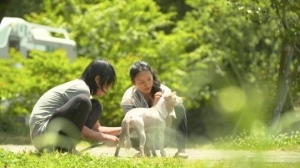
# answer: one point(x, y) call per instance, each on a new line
point(244, 141)
point(260, 142)
point(60, 160)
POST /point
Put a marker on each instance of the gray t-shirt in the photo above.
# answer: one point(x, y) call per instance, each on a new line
point(50, 101)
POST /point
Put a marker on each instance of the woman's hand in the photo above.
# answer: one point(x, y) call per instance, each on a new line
point(110, 140)
point(156, 98)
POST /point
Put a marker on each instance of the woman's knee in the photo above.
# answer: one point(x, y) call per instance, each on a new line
point(180, 111)
point(96, 104)
point(181, 120)
point(94, 114)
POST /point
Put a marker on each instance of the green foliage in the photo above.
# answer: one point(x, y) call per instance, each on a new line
point(22, 85)
point(222, 49)
point(197, 47)
point(110, 29)
point(260, 141)
point(25, 80)
point(13, 126)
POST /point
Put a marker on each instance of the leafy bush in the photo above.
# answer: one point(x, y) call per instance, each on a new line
point(22, 85)
point(13, 125)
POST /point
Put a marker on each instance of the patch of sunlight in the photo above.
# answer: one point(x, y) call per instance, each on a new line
point(231, 99)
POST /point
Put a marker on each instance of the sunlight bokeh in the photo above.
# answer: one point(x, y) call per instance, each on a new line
point(231, 99)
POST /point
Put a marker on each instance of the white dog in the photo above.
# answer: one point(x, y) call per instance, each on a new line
point(148, 120)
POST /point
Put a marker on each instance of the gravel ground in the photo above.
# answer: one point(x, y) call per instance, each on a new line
point(269, 156)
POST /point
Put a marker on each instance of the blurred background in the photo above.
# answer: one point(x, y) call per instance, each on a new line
point(234, 62)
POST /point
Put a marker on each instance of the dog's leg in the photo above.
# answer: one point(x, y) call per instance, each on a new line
point(142, 137)
point(146, 148)
point(152, 144)
point(139, 125)
point(161, 137)
point(121, 141)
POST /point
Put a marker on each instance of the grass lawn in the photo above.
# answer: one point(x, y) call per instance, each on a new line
point(60, 160)
point(287, 142)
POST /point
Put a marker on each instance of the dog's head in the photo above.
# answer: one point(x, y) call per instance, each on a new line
point(178, 100)
point(172, 99)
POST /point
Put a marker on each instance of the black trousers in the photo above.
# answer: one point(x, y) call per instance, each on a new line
point(178, 130)
point(67, 121)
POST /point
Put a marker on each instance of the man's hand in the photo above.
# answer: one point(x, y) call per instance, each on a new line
point(156, 98)
point(110, 140)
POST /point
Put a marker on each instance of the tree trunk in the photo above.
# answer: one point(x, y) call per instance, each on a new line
point(284, 81)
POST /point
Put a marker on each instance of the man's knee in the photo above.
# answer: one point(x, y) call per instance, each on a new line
point(83, 100)
point(96, 104)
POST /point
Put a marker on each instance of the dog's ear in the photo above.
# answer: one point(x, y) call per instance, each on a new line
point(179, 100)
point(174, 93)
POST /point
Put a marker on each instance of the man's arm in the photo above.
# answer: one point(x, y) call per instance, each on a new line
point(88, 133)
point(96, 134)
point(107, 130)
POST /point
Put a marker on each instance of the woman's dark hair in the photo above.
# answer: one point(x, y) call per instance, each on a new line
point(144, 66)
point(102, 68)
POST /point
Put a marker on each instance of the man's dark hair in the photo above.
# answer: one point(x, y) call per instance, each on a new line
point(102, 68)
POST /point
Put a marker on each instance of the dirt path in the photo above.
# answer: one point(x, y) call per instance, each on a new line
point(269, 156)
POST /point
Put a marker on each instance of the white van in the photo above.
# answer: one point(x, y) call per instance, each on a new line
point(26, 36)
